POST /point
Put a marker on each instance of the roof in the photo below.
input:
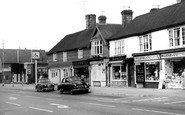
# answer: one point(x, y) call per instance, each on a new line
point(73, 41)
point(164, 18)
point(20, 55)
point(82, 38)
point(107, 30)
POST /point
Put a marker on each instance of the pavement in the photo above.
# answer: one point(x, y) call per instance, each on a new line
point(113, 91)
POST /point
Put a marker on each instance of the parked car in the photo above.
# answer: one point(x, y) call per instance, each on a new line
point(44, 84)
point(72, 84)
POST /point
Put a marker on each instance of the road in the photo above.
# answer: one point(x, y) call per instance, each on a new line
point(21, 102)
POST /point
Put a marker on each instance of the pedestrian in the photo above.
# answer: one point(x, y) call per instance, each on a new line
point(183, 79)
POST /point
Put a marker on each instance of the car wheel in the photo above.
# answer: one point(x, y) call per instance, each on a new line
point(72, 92)
point(86, 91)
point(37, 90)
point(61, 91)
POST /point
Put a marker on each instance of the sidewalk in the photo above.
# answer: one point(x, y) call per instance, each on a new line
point(113, 91)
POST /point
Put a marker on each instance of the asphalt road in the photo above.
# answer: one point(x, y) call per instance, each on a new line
point(21, 102)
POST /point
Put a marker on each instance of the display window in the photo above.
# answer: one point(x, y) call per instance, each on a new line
point(152, 71)
point(119, 72)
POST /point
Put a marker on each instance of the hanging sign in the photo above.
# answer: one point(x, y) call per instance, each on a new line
point(35, 55)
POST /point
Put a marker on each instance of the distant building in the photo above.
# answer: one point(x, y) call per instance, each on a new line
point(17, 65)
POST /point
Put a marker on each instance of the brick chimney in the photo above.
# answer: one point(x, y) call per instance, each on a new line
point(126, 17)
point(102, 19)
point(179, 1)
point(90, 20)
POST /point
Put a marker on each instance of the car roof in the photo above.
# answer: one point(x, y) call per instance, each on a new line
point(70, 77)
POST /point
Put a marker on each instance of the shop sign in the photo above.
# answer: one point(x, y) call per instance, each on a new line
point(96, 83)
point(171, 55)
point(149, 57)
point(117, 58)
point(80, 63)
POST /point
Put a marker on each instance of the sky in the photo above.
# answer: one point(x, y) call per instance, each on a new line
point(41, 24)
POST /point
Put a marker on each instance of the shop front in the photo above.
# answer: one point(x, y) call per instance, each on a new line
point(148, 71)
point(118, 71)
point(174, 67)
point(81, 69)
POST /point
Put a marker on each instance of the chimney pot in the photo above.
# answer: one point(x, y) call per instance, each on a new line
point(102, 19)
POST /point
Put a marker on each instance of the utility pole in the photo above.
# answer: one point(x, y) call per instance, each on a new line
point(3, 78)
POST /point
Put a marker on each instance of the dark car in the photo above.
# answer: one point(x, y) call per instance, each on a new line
point(44, 84)
point(72, 84)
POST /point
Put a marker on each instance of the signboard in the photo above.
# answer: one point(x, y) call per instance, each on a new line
point(35, 55)
point(172, 55)
point(148, 57)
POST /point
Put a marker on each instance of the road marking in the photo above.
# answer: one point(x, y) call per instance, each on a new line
point(151, 99)
point(176, 102)
point(113, 101)
point(97, 104)
point(153, 111)
point(13, 103)
point(59, 105)
point(41, 109)
point(12, 98)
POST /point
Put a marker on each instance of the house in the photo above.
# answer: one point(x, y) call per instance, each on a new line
point(17, 65)
point(83, 53)
point(156, 42)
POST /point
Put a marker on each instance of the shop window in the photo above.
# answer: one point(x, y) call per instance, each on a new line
point(177, 37)
point(119, 72)
point(145, 43)
point(119, 47)
point(152, 71)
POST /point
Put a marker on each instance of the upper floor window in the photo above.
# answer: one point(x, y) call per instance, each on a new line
point(97, 47)
point(119, 47)
point(80, 54)
point(177, 37)
point(55, 57)
point(64, 56)
point(145, 43)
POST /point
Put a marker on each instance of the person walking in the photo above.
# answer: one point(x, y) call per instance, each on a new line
point(183, 79)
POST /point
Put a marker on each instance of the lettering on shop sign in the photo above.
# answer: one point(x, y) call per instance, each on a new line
point(149, 57)
point(170, 55)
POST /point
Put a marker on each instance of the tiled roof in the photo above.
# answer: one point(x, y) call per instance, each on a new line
point(20, 55)
point(164, 18)
point(107, 30)
point(82, 38)
point(73, 41)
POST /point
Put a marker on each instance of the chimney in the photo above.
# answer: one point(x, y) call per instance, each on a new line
point(126, 17)
point(179, 1)
point(90, 21)
point(102, 19)
point(154, 9)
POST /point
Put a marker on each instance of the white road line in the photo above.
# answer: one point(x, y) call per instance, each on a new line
point(41, 109)
point(153, 111)
point(12, 98)
point(176, 102)
point(59, 105)
point(150, 99)
point(98, 104)
point(13, 103)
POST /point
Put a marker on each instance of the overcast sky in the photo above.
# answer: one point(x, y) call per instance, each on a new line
point(41, 24)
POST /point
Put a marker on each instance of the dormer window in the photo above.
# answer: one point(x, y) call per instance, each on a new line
point(55, 57)
point(97, 47)
point(145, 43)
point(177, 37)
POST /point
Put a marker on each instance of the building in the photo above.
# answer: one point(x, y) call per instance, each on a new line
point(83, 53)
point(17, 65)
point(156, 42)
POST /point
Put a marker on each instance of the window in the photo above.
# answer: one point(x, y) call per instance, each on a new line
point(152, 71)
point(80, 54)
point(97, 47)
point(55, 57)
point(119, 72)
point(52, 74)
point(119, 47)
point(177, 37)
point(145, 43)
point(64, 56)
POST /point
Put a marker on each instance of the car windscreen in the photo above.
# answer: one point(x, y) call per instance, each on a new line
point(75, 79)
